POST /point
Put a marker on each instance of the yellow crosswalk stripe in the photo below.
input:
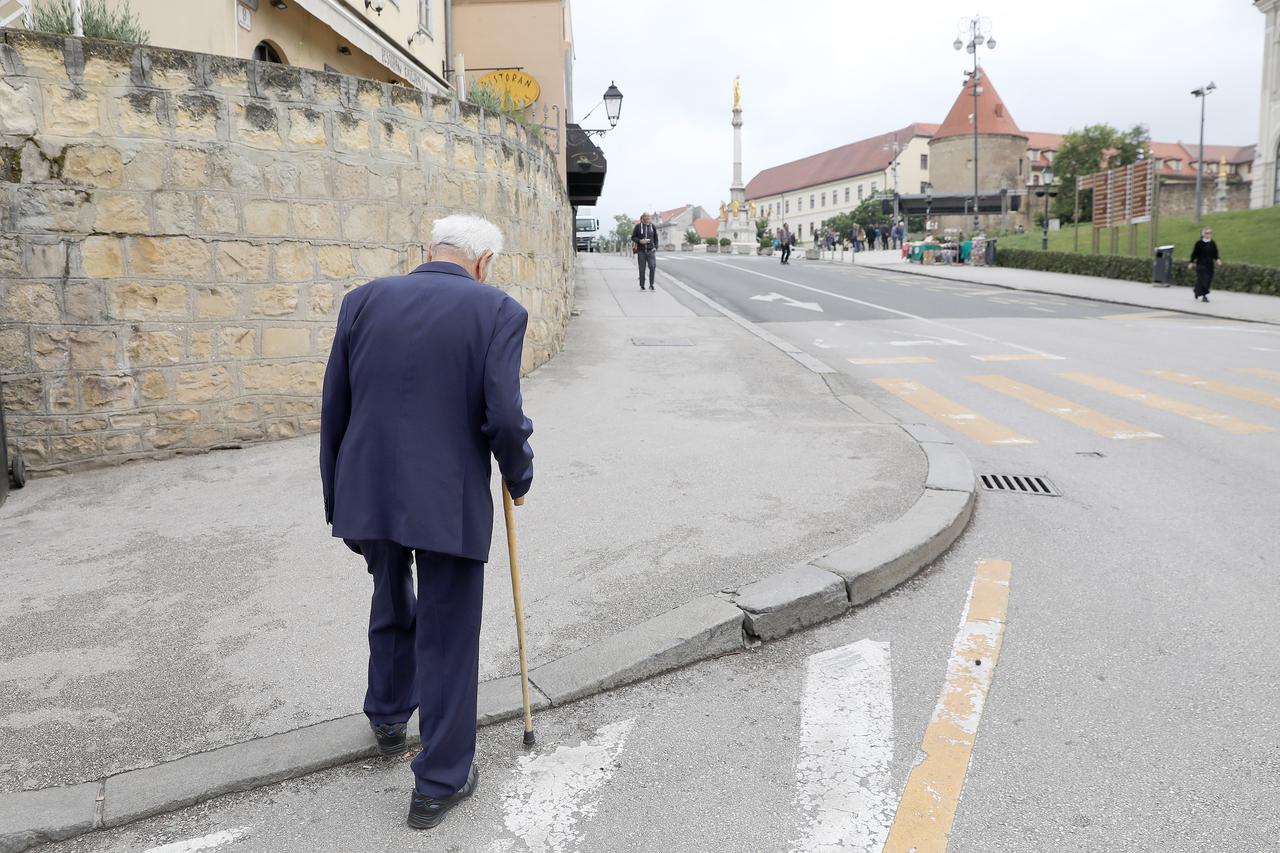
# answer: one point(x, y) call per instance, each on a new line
point(1262, 398)
point(1177, 407)
point(901, 359)
point(1260, 372)
point(1015, 356)
point(931, 796)
point(1067, 410)
point(952, 414)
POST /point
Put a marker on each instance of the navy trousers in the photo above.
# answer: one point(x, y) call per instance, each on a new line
point(424, 654)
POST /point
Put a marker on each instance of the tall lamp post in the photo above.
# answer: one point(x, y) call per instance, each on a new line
point(896, 149)
point(928, 208)
point(1201, 93)
point(972, 33)
point(1046, 190)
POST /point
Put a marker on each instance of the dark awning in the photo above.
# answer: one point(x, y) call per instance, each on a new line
point(942, 204)
point(585, 167)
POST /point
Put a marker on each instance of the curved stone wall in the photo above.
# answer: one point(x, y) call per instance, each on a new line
point(951, 171)
point(176, 231)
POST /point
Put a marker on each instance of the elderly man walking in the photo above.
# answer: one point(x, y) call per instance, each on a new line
point(422, 386)
point(644, 237)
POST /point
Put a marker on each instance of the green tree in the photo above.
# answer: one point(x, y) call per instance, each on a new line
point(867, 214)
point(101, 22)
point(691, 237)
point(762, 228)
point(1092, 149)
point(625, 225)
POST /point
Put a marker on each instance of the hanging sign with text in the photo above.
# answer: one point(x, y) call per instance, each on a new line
point(513, 86)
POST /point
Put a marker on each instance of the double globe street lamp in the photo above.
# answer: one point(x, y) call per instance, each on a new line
point(977, 31)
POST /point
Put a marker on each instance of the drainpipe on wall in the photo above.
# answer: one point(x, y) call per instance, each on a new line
point(448, 30)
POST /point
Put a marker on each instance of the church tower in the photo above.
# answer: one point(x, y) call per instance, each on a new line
point(1001, 150)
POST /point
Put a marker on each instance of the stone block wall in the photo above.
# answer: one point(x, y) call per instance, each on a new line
point(1178, 198)
point(177, 229)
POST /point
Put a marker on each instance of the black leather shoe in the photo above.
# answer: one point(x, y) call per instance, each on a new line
point(427, 812)
point(391, 739)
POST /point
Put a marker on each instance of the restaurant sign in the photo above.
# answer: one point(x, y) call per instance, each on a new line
point(511, 85)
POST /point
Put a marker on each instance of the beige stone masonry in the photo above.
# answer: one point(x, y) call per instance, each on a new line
point(176, 244)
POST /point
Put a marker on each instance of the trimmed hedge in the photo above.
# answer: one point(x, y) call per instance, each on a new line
point(1245, 278)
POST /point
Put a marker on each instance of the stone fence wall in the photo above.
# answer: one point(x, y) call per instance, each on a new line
point(176, 231)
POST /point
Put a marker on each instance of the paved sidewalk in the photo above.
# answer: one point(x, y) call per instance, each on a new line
point(161, 609)
point(1223, 304)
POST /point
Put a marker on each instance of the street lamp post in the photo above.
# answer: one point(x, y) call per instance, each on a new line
point(1201, 93)
point(1048, 192)
point(978, 31)
point(896, 148)
point(928, 207)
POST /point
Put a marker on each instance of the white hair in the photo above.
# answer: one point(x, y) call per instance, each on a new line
point(470, 235)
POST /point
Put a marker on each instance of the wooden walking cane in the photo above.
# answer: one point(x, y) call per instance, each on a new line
point(509, 511)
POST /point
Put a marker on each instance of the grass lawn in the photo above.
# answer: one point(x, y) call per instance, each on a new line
point(1243, 237)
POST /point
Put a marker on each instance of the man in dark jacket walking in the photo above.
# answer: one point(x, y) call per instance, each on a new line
point(788, 240)
point(644, 239)
point(422, 386)
point(1204, 259)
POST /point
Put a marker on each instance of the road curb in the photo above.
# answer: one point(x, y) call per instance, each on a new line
point(922, 273)
point(706, 627)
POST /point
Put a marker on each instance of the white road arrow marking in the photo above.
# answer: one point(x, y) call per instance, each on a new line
point(846, 747)
point(205, 842)
point(787, 300)
point(554, 792)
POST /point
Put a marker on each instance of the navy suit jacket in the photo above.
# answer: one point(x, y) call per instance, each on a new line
point(423, 384)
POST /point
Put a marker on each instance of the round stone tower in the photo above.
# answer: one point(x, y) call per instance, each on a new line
point(1001, 150)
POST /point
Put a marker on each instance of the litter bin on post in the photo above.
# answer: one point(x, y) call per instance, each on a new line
point(989, 253)
point(1162, 267)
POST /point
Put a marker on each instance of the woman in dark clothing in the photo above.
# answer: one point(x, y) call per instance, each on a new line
point(1204, 259)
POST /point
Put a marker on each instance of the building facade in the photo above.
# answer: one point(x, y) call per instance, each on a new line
point(805, 192)
point(396, 41)
point(673, 224)
point(1266, 163)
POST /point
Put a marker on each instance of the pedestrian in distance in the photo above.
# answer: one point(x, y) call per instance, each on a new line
point(644, 242)
point(788, 240)
point(884, 237)
point(862, 239)
point(1204, 259)
point(421, 388)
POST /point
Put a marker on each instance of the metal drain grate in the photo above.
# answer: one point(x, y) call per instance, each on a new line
point(1019, 484)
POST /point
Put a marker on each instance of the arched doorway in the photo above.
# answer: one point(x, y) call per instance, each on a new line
point(268, 52)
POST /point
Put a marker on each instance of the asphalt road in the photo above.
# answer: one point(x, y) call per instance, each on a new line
point(1133, 702)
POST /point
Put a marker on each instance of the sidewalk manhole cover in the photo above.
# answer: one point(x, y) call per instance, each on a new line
point(1019, 484)
point(662, 342)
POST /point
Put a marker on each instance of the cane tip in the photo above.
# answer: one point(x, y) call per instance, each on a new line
point(529, 739)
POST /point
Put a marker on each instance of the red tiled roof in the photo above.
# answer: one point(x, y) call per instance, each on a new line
point(1043, 141)
point(672, 213)
point(856, 158)
point(993, 116)
point(1234, 153)
point(706, 227)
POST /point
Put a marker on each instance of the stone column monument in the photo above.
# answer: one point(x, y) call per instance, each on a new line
point(736, 222)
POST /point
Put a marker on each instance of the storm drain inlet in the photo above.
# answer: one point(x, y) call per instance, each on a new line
point(1019, 484)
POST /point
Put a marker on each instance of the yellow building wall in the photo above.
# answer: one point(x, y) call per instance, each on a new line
point(483, 33)
point(210, 26)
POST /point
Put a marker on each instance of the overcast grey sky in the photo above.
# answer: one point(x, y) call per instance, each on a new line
point(821, 73)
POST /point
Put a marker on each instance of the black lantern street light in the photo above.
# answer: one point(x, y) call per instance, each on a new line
point(613, 108)
point(1047, 191)
point(973, 33)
